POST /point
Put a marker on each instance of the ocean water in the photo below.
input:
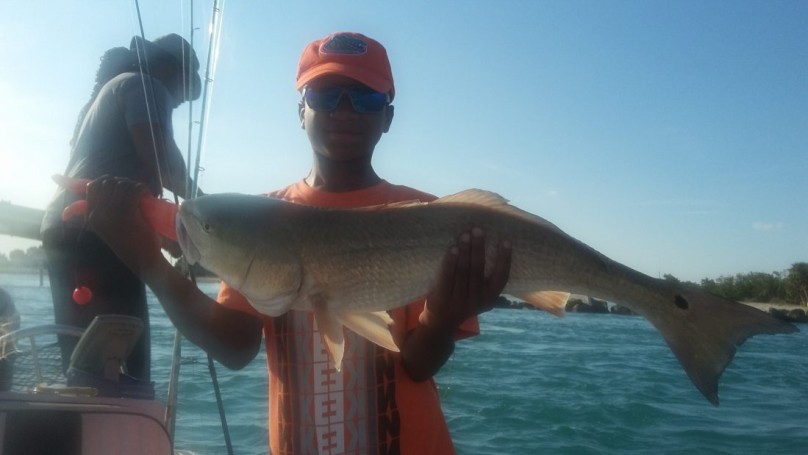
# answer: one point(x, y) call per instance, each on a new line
point(530, 383)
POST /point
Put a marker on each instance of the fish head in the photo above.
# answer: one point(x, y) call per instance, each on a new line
point(243, 240)
point(211, 233)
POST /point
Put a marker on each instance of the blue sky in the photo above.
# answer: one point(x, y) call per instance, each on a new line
point(670, 136)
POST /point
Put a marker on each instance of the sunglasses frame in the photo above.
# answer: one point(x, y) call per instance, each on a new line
point(352, 95)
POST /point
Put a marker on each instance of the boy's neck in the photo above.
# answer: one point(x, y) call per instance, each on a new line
point(342, 177)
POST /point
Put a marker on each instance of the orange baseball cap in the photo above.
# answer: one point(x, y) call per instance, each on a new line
point(348, 54)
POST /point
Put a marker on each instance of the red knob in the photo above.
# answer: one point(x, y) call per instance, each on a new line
point(82, 295)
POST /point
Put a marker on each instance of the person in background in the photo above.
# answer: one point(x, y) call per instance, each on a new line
point(124, 130)
point(381, 401)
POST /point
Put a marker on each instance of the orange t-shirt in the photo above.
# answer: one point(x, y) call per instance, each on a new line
point(371, 406)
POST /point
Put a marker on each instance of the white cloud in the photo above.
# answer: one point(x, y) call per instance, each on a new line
point(759, 226)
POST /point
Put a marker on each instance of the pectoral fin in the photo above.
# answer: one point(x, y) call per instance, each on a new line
point(272, 306)
point(373, 326)
point(550, 301)
point(330, 329)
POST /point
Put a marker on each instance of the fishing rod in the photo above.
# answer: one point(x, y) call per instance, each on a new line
point(169, 419)
point(213, 60)
point(192, 187)
point(210, 70)
point(176, 354)
point(150, 97)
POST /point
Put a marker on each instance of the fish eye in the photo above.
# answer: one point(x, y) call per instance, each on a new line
point(207, 227)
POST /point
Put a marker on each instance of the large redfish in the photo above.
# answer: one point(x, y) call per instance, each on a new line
point(349, 265)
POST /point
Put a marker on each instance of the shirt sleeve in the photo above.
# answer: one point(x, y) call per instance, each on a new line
point(151, 106)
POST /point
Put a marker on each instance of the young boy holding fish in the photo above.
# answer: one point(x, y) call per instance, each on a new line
point(379, 401)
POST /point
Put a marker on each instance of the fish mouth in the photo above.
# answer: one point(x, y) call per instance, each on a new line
point(189, 250)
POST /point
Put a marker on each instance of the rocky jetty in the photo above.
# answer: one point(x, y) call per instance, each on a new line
point(585, 304)
point(575, 304)
point(790, 315)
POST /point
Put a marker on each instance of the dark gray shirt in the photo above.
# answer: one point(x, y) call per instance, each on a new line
point(104, 145)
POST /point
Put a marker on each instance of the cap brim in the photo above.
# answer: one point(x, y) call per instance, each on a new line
point(377, 83)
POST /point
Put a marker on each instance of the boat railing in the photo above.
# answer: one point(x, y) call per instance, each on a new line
point(31, 359)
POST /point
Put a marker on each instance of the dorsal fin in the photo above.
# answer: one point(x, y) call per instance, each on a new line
point(389, 205)
point(492, 201)
point(474, 196)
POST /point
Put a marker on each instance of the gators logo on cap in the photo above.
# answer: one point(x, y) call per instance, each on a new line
point(344, 44)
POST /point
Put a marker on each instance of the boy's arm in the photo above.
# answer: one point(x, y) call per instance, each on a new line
point(231, 337)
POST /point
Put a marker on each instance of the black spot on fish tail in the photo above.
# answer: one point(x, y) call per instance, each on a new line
point(681, 302)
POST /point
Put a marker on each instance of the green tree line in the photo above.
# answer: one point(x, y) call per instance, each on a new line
point(18, 260)
point(790, 286)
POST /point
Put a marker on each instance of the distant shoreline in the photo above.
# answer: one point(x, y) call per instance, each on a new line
point(782, 308)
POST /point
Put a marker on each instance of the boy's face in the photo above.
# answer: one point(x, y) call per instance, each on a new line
point(343, 134)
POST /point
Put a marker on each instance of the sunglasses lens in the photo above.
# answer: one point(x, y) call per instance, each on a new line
point(363, 99)
point(323, 100)
point(366, 100)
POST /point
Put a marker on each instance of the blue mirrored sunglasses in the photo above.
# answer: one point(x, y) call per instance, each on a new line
point(363, 99)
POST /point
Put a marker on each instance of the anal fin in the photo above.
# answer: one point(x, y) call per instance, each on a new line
point(551, 301)
point(330, 329)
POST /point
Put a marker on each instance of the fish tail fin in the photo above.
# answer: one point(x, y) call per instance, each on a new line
point(373, 326)
point(551, 301)
point(78, 186)
point(71, 184)
point(77, 208)
point(706, 331)
point(161, 215)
